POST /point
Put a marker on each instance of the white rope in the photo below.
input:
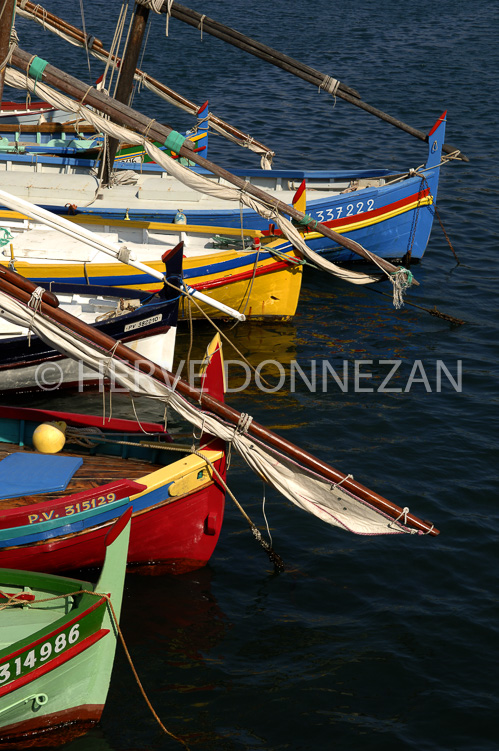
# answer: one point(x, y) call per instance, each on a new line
point(337, 484)
point(265, 515)
point(304, 487)
point(330, 85)
point(200, 25)
point(154, 5)
point(168, 15)
point(144, 80)
point(34, 304)
point(403, 515)
point(243, 424)
point(193, 180)
point(13, 42)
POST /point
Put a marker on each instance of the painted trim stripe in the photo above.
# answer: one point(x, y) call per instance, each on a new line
point(65, 656)
point(57, 631)
point(370, 218)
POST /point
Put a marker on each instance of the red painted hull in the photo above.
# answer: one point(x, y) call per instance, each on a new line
point(52, 729)
point(174, 536)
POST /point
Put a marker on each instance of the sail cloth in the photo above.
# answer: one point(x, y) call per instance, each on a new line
point(244, 140)
point(195, 181)
point(307, 489)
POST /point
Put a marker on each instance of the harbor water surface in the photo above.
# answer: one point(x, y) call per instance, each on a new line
point(363, 643)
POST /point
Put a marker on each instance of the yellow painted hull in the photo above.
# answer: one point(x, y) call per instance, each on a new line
point(263, 286)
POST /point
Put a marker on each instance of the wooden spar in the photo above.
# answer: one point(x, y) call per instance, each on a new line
point(95, 44)
point(227, 34)
point(75, 126)
point(7, 14)
point(125, 79)
point(9, 284)
point(124, 115)
point(231, 36)
point(27, 286)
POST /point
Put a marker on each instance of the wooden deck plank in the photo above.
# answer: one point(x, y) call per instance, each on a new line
point(94, 472)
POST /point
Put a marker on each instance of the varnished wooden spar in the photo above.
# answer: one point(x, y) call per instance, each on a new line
point(95, 44)
point(29, 287)
point(227, 34)
point(231, 36)
point(125, 78)
point(129, 117)
point(7, 11)
point(107, 344)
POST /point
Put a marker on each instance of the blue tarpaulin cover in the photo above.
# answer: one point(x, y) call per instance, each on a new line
point(29, 474)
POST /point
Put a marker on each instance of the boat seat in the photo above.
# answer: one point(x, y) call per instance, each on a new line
point(29, 473)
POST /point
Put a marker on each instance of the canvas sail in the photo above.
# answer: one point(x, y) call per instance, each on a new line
point(304, 487)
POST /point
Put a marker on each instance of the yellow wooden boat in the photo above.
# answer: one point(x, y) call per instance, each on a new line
point(261, 281)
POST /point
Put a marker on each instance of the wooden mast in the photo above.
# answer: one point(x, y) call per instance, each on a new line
point(129, 117)
point(50, 20)
point(125, 79)
point(7, 11)
point(289, 64)
point(9, 283)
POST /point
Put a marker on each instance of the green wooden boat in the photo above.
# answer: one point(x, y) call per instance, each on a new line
point(57, 645)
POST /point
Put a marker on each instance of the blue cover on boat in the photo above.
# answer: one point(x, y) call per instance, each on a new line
point(29, 474)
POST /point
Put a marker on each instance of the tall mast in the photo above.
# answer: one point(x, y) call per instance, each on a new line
point(126, 75)
point(7, 11)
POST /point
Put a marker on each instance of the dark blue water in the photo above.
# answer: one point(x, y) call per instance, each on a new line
point(363, 643)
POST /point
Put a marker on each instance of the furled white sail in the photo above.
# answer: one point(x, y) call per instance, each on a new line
point(227, 131)
point(307, 489)
point(188, 177)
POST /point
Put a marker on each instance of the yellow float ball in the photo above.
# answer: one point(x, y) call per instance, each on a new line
point(49, 437)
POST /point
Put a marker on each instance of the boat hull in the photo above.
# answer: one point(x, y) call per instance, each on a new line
point(56, 661)
point(51, 372)
point(261, 285)
point(174, 536)
point(391, 214)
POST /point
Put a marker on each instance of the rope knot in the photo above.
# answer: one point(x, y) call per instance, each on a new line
point(200, 25)
point(337, 484)
point(243, 424)
point(401, 279)
point(330, 85)
point(403, 515)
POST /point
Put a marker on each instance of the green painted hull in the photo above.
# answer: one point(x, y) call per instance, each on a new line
point(56, 655)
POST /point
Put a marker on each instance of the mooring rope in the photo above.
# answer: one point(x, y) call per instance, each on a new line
point(12, 602)
point(243, 426)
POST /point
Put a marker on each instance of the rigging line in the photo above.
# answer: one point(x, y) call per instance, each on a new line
point(432, 312)
point(3, 9)
point(217, 328)
point(98, 439)
point(82, 12)
point(115, 620)
point(115, 44)
point(250, 285)
point(265, 515)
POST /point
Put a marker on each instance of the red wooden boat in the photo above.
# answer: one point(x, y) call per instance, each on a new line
point(56, 509)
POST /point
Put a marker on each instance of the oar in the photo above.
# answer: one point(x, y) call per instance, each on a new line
point(8, 283)
point(321, 80)
point(129, 117)
point(121, 253)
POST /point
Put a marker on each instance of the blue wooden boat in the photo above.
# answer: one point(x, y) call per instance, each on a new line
point(58, 133)
point(389, 214)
